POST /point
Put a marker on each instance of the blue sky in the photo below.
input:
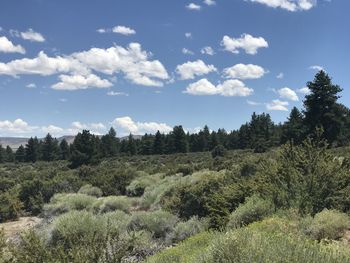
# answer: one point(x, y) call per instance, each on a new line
point(141, 66)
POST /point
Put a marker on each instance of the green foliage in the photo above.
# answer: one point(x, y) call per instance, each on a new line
point(218, 151)
point(10, 205)
point(253, 209)
point(185, 229)
point(113, 203)
point(88, 189)
point(328, 224)
point(159, 223)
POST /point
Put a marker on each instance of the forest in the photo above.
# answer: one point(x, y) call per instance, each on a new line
point(263, 193)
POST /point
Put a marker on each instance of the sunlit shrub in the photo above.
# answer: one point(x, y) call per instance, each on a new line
point(88, 189)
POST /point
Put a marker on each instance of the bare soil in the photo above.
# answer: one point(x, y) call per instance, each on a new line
point(14, 228)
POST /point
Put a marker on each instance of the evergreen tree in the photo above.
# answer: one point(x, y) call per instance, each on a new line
point(2, 154)
point(49, 149)
point(83, 149)
point(322, 109)
point(180, 144)
point(32, 150)
point(64, 150)
point(158, 144)
point(131, 145)
point(110, 143)
point(9, 154)
point(293, 129)
point(20, 154)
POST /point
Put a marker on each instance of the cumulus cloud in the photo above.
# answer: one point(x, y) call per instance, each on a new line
point(128, 125)
point(242, 71)
point(287, 93)
point(209, 2)
point(187, 51)
point(193, 6)
point(131, 61)
point(253, 103)
point(53, 130)
point(76, 82)
point(246, 42)
point(31, 35)
point(191, 69)
point(304, 90)
point(316, 67)
point(102, 30)
point(277, 105)
point(7, 46)
point(123, 30)
point(17, 126)
point(290, 5)
point(228, 88)
point(208, 51)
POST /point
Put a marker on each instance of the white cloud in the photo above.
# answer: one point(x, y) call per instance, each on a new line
point(63, 100)
point(7, 46)
point(208, 51)
point(304, 90)
point(17, 126)
point(132, 61)
point(102, 30)
point(290, 5)
point(187, 51)
point(127, 125)
point(193, 6)
point(31, 35)
point(209, 2)
point(277, 105)
point(242, 71)
point(287, 93)
point(253, 103)
point(123, 30)
point(228, 88)
point(114, 93)
point(95, 128)
point(191, 69)
point(53, 130)
point(246, 42)
point(316, 67)
point(188, 35)
point(76, 82)
point(280, 76)
point(31, 85)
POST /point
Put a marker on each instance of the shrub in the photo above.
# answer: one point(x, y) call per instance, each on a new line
point(137, 187)
point(113, 203)
point(218, 151)
point(253, 209)
point(188, 228)
point(328, 224)
point(185, 170)
point(73, 201)
point(88, 189)
point(159, 223)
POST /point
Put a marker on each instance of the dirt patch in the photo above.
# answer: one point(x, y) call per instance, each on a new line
point(12, 229)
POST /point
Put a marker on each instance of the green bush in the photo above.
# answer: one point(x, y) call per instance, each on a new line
point(328, 224)
point(113, 203)
point(159, 223)
point(188, 228)
point(253, 209)
point(88, 189)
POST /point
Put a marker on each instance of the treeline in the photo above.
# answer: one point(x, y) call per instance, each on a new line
point(321, 111)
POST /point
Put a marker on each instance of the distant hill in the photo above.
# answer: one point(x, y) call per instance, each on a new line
point(15, 142)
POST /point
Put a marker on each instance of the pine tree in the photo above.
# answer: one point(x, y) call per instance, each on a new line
point(131, 145)
point(9, 154)
point(32, 150)
point(49, 149)
point(64, 150)
point(20, 154)
point(2, 154)
point(158, 144)
point(180, 144)
point(293, 129)
point(322, 109)
point(110, 143)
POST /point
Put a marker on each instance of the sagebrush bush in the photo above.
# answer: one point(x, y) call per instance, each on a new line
point(253, 209)
point(62, 203)
point(113, 203)
point(88, 189)
point(185, 229)
point(328, 224)
point(137, 187)
point(159, 223)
